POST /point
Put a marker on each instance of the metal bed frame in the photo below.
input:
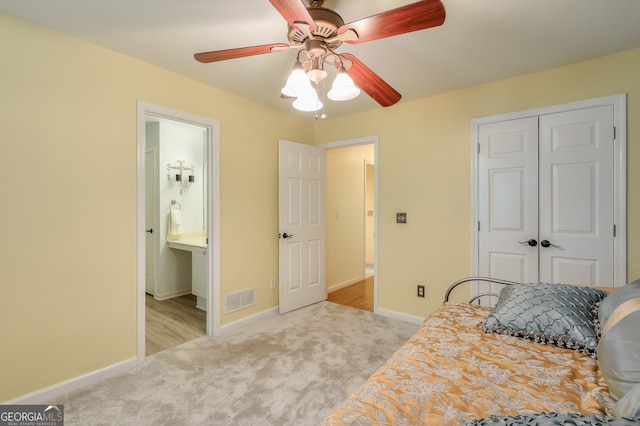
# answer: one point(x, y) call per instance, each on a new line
point(477, 296)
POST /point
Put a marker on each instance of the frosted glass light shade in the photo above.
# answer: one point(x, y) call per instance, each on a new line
point(343, 88)
point(308, 101)
point(297, 82)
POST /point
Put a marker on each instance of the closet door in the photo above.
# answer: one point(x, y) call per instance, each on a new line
point(576, 197)
point(508, 201)
point(546, 198)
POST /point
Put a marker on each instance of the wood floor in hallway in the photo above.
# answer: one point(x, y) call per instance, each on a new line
point(358, 295)
point(172, 322)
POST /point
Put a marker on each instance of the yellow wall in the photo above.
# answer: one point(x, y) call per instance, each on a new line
point(345, 214)
point(68, 149)
point(425, 169)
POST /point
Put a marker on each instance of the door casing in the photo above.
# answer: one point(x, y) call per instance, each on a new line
point(620, 172)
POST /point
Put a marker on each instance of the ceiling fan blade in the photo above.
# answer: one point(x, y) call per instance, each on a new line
point(223, 55)
point(294, 11)
point(405, 19)
point(370, 82)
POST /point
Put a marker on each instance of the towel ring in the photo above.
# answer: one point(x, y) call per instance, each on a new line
point(173, 203)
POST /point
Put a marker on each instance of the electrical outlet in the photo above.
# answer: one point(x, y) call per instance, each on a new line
point(420, 290)
point(273, 282)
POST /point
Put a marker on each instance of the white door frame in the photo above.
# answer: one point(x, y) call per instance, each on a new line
point(367, 140)
point(619, 103)
point(213, 217)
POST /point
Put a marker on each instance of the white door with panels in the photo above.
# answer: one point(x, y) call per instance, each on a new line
point(545, 198)
point(508, 199)
point(576, 197)
point(149, 222)
point(301, 225)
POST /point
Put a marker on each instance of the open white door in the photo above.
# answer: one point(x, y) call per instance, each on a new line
point(302, 225)
point(149, 222)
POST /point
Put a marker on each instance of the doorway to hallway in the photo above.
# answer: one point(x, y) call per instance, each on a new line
point(351, 221)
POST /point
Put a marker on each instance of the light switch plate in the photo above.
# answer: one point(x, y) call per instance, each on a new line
point(401, 218)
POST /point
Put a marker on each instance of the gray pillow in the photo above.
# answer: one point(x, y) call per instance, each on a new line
point(619, 349)
point(553, 419)
point(629, 404)
point(555, 314)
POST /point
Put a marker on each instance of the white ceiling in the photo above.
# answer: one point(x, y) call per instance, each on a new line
point(480, 41)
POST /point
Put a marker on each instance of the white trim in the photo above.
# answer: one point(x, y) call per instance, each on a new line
point(367, 140)
point(619, 103)
point(52, 393)
point(400, 316)
point(213, 219)
point(171, 295)
point(346, 284)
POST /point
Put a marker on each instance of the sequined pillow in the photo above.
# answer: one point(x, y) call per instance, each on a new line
point(553, 419)
point(555, 314)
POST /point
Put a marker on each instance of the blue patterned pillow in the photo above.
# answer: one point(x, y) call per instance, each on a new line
point(553, 419)
point(556, 314)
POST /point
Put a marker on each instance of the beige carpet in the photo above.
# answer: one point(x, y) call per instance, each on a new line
point(292, 369)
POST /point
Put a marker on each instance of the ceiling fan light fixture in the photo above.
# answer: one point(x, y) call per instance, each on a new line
point(343, 88)
point(308, 101)
point(297, 82)
point(317, 75)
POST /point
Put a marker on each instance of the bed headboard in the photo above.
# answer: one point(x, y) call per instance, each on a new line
point(477, 296)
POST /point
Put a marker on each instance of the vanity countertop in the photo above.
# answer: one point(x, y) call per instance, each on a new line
point(191, 241)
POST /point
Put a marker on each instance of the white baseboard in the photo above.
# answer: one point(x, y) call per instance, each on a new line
point(400, 316)
point(345, 284)
point(172, 294)
point(52, 393)
point(271, 312)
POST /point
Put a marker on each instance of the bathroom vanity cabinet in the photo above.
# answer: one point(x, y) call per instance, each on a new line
point(197, 245)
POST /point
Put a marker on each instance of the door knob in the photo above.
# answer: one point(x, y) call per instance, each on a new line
point(547, 243)
point(149, 231)
point(285, 235)
point(531, 242)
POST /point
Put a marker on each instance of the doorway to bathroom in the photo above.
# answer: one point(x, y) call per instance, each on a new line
point(178, 217)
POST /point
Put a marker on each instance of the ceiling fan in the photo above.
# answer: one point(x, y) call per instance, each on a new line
point(317, 32)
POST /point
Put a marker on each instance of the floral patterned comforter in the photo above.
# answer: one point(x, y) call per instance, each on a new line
point(451, 372)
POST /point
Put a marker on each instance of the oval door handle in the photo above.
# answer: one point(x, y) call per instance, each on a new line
point(285, 235)
point(531, 242)
point(149, 231)
point(547, 243)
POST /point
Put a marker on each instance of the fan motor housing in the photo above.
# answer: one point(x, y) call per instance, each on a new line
point(327, 23)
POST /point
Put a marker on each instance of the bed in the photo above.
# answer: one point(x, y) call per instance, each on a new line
point(456, 370)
